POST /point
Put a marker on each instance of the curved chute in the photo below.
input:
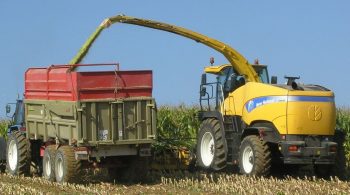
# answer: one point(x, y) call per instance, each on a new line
point(239, 63)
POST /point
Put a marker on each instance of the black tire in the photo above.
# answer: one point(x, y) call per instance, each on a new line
point(48, 163)
point(67, 168)
point(136, 171)
point(18, 156)
point(338, 169)
point(211, 146)
point(2, 154)
point(2, 149)
point(36, 164)
point(254, 156)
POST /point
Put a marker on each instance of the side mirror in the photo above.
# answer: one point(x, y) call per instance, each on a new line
point(203, 91)
point(8, 109)
point(204, 79)
point(274, 80)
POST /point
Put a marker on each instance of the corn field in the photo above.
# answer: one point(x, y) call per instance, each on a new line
point(177, 126)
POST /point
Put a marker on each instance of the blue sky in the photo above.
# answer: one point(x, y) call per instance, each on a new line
point(310, 39)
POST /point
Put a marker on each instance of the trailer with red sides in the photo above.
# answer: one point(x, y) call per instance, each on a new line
point(76, 120)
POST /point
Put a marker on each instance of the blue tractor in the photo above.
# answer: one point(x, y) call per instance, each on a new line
point(17, 119)
point(17, 124)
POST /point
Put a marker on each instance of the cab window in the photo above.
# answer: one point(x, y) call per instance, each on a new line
point(262, 72)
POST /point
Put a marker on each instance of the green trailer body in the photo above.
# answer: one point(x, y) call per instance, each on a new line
point(100, 124)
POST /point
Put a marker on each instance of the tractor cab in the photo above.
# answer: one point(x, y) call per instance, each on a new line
point(226, 80)
point(17, 116)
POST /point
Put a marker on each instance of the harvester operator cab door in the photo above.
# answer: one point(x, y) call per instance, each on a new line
point(230, 80)
point(227, 80)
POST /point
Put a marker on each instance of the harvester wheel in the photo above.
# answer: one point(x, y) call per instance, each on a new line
point(18, 154)
point(49, 163)
point(338, 169)
point(67, 168)
point(254, 156)
point(211, 152)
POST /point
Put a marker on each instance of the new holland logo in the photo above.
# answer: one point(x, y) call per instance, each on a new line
point(315, 113)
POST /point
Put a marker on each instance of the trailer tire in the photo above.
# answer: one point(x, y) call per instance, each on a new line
point(67, 168)
point(211, 152)
point(18, 156)
point(48, 163)
point(254, 156)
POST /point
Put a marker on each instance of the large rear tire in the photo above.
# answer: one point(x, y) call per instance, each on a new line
point(211, 150)
point(254, 156)
point(49, 163)
point(18, 157)
point(67, 168)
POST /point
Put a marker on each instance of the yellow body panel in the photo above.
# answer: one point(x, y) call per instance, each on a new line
point(291, 112)
point(311, 117)
point(237, 100)
point(215, 69)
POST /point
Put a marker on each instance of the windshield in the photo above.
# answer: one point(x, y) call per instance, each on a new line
point(261, 70)
point(222, 77)
point(18, 116)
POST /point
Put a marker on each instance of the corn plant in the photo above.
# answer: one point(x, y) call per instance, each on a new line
point(177, 125)
point(343, 122)
point(3, 127)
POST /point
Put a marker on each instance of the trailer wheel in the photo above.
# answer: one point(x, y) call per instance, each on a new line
point(67, 168)
point(254, 156)
point(18, 154)
point(49, 163)
point(211, 153)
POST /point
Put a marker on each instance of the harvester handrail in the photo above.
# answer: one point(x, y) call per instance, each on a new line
point(239, 63)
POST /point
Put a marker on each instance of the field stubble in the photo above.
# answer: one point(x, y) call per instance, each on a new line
point(180, 183)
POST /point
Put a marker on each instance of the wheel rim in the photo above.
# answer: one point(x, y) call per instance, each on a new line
point(207, 149)
point(48, 166)
point(59, 167)
point(12, 155)
point(248, 159)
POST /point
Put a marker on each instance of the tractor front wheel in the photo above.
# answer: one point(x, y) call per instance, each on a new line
point(211, 152)
point(18, 154)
